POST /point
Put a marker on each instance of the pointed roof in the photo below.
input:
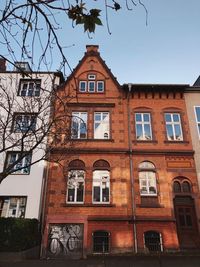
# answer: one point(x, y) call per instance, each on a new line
point(197, 82)
point(92, 50)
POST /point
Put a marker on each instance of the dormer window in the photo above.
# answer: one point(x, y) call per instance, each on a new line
point(91, 85)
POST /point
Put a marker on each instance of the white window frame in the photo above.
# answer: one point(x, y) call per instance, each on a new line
point(20, 127)
point(80, 90)
point(143, 123)
point(100, 177)
point(27, 90)
point(75, 185)
point(91, 76)
point(104, 124)
point(91, 82)
point(100, 91)
point(148, 179)
point(77, 115)
point(173, 123)
point(197, 122)
point(18, 210)
point(21, 165)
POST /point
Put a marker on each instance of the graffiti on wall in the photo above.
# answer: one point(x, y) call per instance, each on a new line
point(65, 240)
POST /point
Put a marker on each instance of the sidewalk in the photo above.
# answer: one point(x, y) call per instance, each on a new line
point(120, 261)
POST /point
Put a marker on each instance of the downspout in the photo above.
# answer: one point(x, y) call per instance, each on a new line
point(131, 169)
point(45, 183)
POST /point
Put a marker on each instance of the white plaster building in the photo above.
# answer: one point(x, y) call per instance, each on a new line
point(21, 191)
point(192, 99)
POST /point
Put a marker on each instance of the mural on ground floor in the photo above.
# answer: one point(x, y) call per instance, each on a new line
point(65, 240)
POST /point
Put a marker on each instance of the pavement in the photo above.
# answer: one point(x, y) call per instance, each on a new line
point(114, 261)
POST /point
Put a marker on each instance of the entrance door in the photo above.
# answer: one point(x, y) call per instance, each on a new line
point(186, 222)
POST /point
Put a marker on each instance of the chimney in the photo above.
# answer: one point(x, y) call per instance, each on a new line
point(92, 48)
point(2, 65)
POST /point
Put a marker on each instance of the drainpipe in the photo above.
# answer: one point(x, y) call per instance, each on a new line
point(131, 169)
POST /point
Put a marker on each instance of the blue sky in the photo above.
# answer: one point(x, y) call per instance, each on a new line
point(167, 50)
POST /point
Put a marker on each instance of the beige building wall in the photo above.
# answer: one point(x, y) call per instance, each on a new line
point(192, 98)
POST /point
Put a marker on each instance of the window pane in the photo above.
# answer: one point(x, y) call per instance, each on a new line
point(96, 196)
point(100, 86)
point(101, 125)
point(79, 125)
point(139, 134)
point(197, 113)
point(138, 117)
point(146, 117)
point(147, 132)
point(177, 187)
point(71, 193)
point(82, 86)
point(168, 118)
point(97, 116)
point(176, 118)
point(91, 86)
point(170, 135)
point(105, 192)
point(80, 192)
point(178, 134)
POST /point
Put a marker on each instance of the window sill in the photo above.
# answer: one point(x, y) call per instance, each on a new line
point(175, 142)
point(145, 141)
point(88, 205)
point(150, 206)
point(92, 140)
point(149, 195)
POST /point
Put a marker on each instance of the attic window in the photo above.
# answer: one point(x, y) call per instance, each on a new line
point(91, 77)
point(92, 84)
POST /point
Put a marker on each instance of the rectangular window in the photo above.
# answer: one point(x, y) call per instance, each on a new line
point(91, 77)
point(100, 86)
point(197, 113)
point(101, 187)
point(30, 88)
point(101, 125)
point(82, 86)
point(173, 127)
point(75, 186)
point(143, 126)
point(12, 207)
point(91, 87)
point(18, 166)
point(24, 122)
point(79, 125)
point(147, 183)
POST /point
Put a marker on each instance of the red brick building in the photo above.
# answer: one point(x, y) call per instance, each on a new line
point(129, 183)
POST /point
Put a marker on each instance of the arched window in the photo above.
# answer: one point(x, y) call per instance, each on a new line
point(101, 182)
point(147, 178)
point(101, 241)
point(180, 185)
point(176, 187)
point(186, 187)
point(76, 182)
point(153, 241)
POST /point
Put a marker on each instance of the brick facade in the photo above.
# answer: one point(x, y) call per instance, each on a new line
point(123, 218)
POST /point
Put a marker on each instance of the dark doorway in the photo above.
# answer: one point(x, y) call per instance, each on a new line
point(100, 242)
point(186, 222)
